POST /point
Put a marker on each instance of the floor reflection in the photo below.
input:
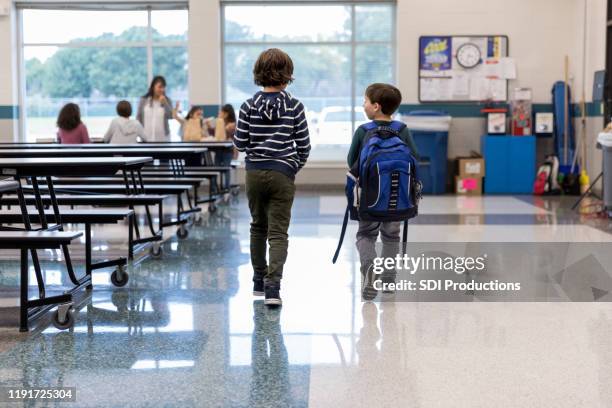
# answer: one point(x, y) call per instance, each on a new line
point(270, 386)
point(186, 331)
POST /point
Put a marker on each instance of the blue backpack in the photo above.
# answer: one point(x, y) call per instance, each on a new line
point(383, 184)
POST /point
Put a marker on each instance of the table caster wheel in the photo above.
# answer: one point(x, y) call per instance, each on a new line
point(120, 301)
point(156, 251)
point(63, 317)
point(182, 232)
point(119, 277)
point(212, 208)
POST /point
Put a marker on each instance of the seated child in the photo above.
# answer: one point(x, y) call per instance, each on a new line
point(122, 129)
point(71, 129)
point(192, 129)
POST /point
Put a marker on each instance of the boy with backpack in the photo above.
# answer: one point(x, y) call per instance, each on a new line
point(392, 193)
point(272, 129)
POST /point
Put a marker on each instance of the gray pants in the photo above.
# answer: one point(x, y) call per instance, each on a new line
point(367, 236)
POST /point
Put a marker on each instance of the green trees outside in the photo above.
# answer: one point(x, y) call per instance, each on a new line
point(82, 72)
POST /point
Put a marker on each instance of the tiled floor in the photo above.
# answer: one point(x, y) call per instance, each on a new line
point(187, 332)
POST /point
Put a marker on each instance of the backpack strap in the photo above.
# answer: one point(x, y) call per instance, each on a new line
point(405, 237)
point(369, 126)
point(344, 224)
point(397, 126)
point(394, 128)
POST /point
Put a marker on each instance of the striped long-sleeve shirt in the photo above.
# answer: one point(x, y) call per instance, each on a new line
point(273, 132)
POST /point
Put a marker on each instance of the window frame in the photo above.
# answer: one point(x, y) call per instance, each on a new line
point(353, 42)
point(149, 44)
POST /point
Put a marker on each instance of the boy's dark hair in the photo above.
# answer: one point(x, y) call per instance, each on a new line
point(69, 117)
point(387, 96)
point(273, 68)
point(124, 109)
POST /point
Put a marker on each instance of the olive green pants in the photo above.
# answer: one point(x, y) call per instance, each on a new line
point(270, 195)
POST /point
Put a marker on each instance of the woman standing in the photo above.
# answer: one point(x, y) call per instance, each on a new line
point(155, 112)
point(71, 129)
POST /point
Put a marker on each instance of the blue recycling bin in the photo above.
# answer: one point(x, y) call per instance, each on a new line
point(510, 164)
point(429, 130)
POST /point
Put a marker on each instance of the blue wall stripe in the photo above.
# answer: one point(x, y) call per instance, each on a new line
point(210, 110)
point(472, 110)
point(463, 110)
point(9, 112)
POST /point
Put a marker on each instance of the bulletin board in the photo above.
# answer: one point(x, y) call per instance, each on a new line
point(464, 68)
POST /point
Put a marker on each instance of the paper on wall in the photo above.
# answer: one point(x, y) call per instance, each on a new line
point(498, 89)
point(445, 88)
point(429, 90)
point(461, 84)
point(435, 74)
point(508, 68)
point(478, 89)
point(436, 89)
point(492, 68)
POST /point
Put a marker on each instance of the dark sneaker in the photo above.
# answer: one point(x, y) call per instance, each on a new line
point(368, 293)
point(273, 296)
point(386, 279)
point(258, 287)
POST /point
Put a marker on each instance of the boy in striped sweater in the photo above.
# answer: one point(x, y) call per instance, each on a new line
point(273, 132)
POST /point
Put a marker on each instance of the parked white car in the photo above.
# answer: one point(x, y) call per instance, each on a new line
point(333, 125)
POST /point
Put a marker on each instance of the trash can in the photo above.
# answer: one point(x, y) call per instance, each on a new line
point(604, 141)
point(429, 130)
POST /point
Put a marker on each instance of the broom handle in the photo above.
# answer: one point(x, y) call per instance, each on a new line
point(584, 134)
point(582, 141)
point(565, 110)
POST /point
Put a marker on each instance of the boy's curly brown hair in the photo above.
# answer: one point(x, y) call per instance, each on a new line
point(274, 67)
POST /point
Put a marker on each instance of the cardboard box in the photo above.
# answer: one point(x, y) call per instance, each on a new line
point(473, 166)
point(468, 185)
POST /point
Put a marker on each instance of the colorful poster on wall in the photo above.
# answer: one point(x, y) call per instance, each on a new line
point(436, 53)
point(495, 47)
point(483, 76)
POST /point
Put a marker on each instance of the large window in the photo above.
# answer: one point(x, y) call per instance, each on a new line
point(96, 58)
point(337, 50)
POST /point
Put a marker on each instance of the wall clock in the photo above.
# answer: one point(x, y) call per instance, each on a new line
point(469, 55)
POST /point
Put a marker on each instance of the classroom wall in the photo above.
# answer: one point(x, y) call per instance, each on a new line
point(540, 34)
point(8, 78)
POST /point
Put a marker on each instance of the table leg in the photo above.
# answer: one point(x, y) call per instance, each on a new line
point(23, 301)
point(58, 220)
point(148, 212)
point(39, 204)
point(128, 189)
point(26, 222)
